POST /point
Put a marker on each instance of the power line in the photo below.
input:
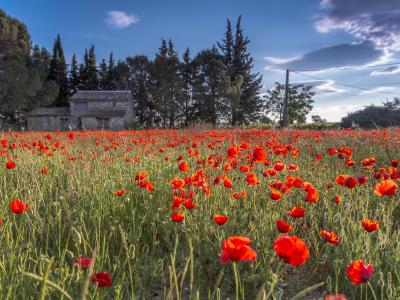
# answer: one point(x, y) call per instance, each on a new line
point(347, 85)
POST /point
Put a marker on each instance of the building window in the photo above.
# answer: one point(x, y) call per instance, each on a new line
point(103, 123)
point(81, 106)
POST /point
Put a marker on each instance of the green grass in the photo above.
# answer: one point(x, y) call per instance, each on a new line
point(74, 212)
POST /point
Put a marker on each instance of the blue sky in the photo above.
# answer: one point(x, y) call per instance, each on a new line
point(327, 36)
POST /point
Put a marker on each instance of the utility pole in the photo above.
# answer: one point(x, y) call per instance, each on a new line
point(285, 121)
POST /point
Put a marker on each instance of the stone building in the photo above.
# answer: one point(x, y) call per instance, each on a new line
point(88, 110)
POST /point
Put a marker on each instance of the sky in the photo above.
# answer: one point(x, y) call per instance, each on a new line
point(347, 49)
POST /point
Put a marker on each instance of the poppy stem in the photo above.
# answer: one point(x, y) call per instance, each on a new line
point(235, 273)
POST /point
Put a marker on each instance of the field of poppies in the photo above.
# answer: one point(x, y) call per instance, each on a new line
point(193, 214)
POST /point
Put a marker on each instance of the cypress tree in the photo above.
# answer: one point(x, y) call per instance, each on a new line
point(239, 64)
point(91, 70)
point(74, 75)
point(186, 74)
point(58, 72)
point(112, 73)
point(103, 74)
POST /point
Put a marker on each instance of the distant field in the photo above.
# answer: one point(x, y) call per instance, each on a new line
point(143, 214)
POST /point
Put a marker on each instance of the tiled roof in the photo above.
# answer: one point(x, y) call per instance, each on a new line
point(50, 111)
point(105, 113)
point(120, 96)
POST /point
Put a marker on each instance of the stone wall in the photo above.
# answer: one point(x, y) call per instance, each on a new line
point(93, 123)
point(97, 105)
point(50, 123)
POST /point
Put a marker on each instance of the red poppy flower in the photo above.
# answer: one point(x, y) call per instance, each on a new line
point(395, 163)
point(330, 237)
point(297, 212)
point(283, 227)
point(189, 204)
point(18, 207)
point(335, 297)
point(312, 196)
point(120, 193)
point(252, 179)
point(227, 183)
point(386, 188)
point(244, 168)
point(370, 225)
point(83, 262)
point(259, 154)
point(177, 183)
point(10, 165)
point(291, 250)
point(183, 166)
point(220, 219)
point(362, 179)
point(177, 217)
point(358, 272)
point(275, 194)
point(233, 151)
point(103, 279)
point(279, 167)
point(337, 199)
point(350, 182)
point(237, 248)
point(44, 171)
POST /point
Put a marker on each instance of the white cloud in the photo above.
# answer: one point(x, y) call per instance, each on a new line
point(378, 90)
point(334, 113)
point(388, 71)
point(119, 19)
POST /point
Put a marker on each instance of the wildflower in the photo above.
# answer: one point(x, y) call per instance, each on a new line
point(283, 227)
point(18, 207)
point(220, 219)
point(103, 279)
point(183, 166)
point(370, 225)
point(252, 179)
point(291, 250)
point(237, 248)
point(335, 297)
point(44, 171)
point(233, 151)
point(177, 217)
point(297, 212)
point(330, 237)
point(120, 193)
point(227, 183)
point(386, 188)
point(358, 272)
point(275, 194)
point(83, 262)
point(10, 165)
point(259, 154)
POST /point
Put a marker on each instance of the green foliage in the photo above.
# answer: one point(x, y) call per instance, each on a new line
point(208, 87)
point(58, 72)
point(316, 126)
point(375, 116)
point(239, 63)
point(299, 101)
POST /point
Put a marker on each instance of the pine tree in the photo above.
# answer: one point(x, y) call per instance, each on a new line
point(83, 72)
point(165, 84)
point(139, 79)
point(186, 76)
point(112, 73)
point(103, 74)
point(91, 71)
point(239, 64)
point(209, 87)
point(74, 79)
point(58, 72)
point(226, 47)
